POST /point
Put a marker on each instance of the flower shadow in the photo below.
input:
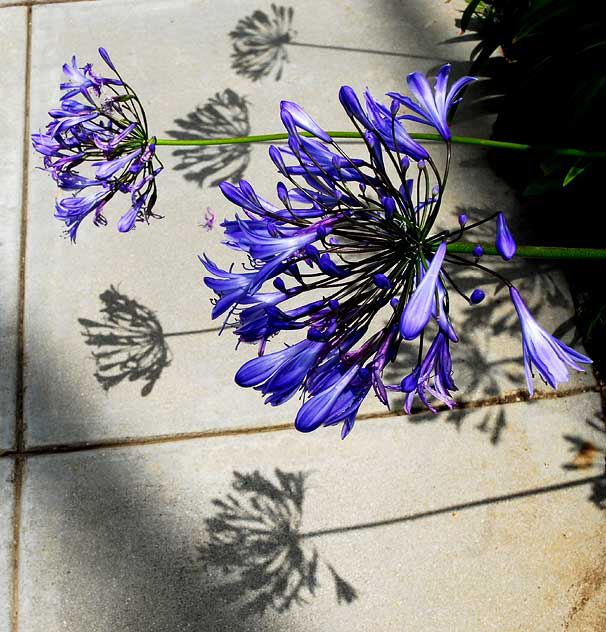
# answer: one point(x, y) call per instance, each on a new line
point(130, 342)
point(259, 43)
point(256, 545)
point(224, 115)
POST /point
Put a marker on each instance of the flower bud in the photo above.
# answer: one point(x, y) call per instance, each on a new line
point(477, 296)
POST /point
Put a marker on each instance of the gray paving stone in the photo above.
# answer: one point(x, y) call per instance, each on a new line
point(415, 524)
point(13, 35)
point(157, 265)
point(6, 539)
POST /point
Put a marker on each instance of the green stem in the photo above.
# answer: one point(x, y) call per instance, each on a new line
point(542, 252)
point(539, 252)
point(461, 140)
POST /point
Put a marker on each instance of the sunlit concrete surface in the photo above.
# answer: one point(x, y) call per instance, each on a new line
point(178, 501)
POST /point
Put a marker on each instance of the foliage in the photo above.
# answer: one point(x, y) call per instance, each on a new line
point(550, 89)
point(551, 77)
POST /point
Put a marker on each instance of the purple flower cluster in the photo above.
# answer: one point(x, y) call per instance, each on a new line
point(355, 234)
point(100, 121)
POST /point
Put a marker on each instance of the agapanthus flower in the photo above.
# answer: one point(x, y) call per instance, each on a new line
point(106, 133)
point(505, 243)
point(348, 259)
point(431, 107)
point(550, 356)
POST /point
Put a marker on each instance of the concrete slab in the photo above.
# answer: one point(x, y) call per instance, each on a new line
point(6, 541)
point(402, 526)
point(13, 33)
point(157, 265)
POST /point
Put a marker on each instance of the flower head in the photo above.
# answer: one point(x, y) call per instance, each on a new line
point(105, 131)
point(347, 257)
point(550, 356)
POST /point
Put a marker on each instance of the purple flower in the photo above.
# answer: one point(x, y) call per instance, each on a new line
point(233, 288)
point(353, 239)
point(505, 243)
point(420, 305)
point(433, 376)
point(80, 80)
point(339, 402)
point(293, 115)
point(108, 168)
point(280, 373)
point(108, 132)
point(209, 220)
point(73, 210)
point(431, 108)
point(550, 356)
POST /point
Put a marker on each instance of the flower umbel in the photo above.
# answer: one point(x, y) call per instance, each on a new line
point(356, 265)
point(100, 125)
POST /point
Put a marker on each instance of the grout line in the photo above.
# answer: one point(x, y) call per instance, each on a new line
point(510, 398)
point(30, 3)
point(66, 448)
point(19, 422)
point(19, 396)
point(18, 487)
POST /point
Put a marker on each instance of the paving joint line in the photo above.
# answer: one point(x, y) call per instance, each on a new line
point(29, 3)
point(20, 360)
point(86, 446)
point(16, 542)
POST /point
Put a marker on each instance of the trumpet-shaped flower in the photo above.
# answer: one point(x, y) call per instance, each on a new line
point(420, 306)
point(431, 108)
point(550, 356)
point(432, 376)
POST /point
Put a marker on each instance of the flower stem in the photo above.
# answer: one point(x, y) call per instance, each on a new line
point(538, 252)
point(461, 140)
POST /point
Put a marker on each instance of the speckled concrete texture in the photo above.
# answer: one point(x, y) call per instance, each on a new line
point(408, 524)
point(13, 33)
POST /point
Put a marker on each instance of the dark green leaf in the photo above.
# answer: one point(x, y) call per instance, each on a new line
point(468, 13)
